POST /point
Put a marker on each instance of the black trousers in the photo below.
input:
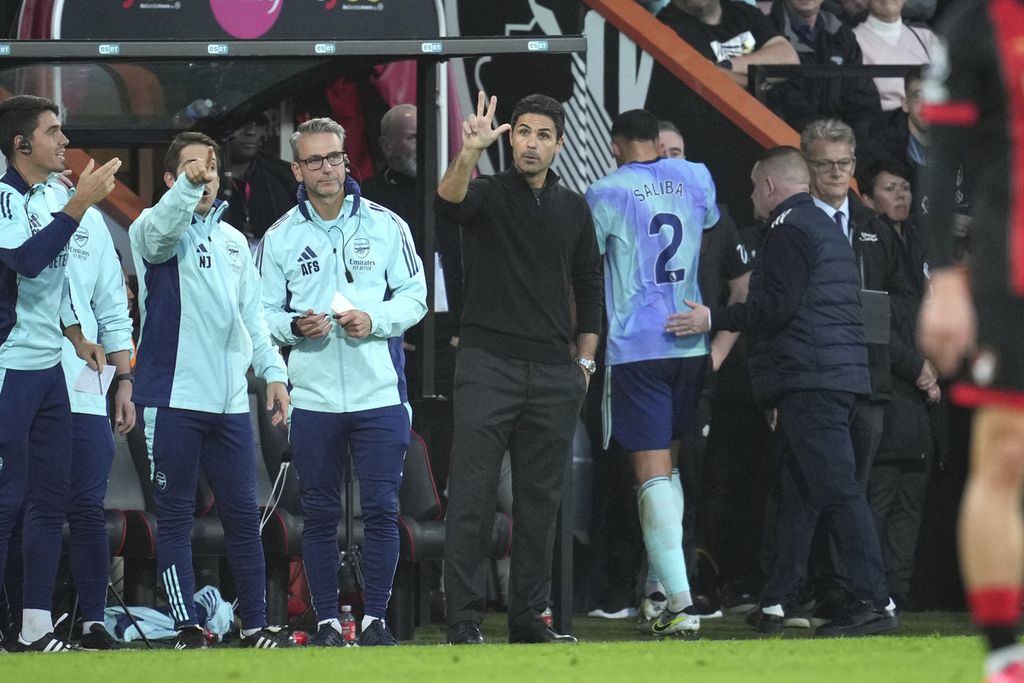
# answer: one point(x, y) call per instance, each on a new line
point(828, 575)
point(818, 476)
point(739, 467)
point(529, 409)
point(897, 496)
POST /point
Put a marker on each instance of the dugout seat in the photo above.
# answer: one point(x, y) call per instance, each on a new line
point(207, 533)
point(126, 498)
point(421, 534)
point(282, 532)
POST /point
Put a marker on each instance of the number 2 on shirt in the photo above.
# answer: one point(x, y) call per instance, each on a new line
point(662, 275)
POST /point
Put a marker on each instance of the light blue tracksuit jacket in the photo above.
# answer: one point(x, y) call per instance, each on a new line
point(303, 261)
point(199, 296)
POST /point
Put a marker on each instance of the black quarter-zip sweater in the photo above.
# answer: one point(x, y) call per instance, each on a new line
point(525, 255)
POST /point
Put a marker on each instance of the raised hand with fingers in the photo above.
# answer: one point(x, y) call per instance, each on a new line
point(202, 171)
point(94, 184)
point(477, 131)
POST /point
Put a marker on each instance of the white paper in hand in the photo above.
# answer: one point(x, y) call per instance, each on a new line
point(91, 382)
point(340, 304)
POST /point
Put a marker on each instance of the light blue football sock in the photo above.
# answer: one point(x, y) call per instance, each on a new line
point(677, 490)
point(663, 538)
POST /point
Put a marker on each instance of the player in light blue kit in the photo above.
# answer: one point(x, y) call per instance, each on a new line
point(650, 215)
point(202, 327)
point(35, 308)
point(346, 365)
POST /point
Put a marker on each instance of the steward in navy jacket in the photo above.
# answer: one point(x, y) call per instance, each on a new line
point(803, 308)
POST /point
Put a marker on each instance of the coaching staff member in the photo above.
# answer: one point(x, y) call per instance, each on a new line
point(528, 245)
point(808, 362)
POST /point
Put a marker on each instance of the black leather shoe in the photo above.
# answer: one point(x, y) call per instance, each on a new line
point(538, 632)
point(766, 624)
point(465, 633)
point(863, 619)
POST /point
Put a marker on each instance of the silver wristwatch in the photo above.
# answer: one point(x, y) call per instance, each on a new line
point(588, 364)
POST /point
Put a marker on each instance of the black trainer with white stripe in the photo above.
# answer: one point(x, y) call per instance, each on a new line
point(266, 638)
point(48, 643)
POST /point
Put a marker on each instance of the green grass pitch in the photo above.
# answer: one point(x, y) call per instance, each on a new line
point(931, 647)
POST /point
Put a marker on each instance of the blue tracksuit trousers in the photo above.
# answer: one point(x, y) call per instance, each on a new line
point(377, 440)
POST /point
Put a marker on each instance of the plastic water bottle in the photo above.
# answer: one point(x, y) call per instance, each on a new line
point(548, 617)
point(196, 110)
point(348, 625)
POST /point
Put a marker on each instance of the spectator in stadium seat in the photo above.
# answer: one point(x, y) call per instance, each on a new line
point(202, 327)
point(885, 39)
point(850, 12)
point(341, 284)
point(907, 141)
point(258, 187)
point(819, 37)
point(731, 34)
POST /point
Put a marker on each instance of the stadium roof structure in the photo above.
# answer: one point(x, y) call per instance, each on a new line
point(118, 93)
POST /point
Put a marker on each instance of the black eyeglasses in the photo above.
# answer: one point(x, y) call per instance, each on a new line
point(314, 163)
point(821, 165)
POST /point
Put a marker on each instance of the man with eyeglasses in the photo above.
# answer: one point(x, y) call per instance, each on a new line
point(830, 146)
point(341, 284)
point(202, 327)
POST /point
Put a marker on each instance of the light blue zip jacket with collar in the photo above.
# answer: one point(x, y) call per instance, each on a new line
point(35, 297)
point(303, 261)
point(202, 320)
point(99, 298)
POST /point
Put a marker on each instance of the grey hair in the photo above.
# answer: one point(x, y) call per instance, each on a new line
point(829, 130)
point(320, 125)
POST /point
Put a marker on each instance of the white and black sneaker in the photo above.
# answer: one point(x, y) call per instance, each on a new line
point(266, 638)
point(191, 638)
point(48, 643)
